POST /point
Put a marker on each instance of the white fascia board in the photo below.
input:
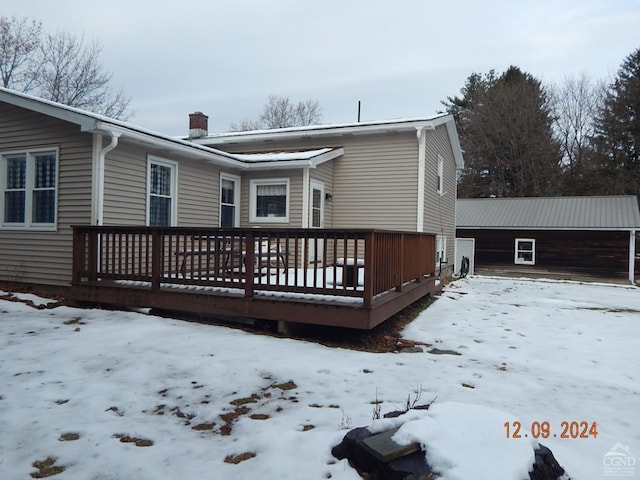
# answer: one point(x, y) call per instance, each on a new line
point(455, 144)
point(178, 146)
point(322, 131)
point(294, 164)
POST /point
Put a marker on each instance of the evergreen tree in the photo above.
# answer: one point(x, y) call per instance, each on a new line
point(505, 128)
point(617, 137)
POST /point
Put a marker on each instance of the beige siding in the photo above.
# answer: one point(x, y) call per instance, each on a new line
point(439, 212)
point(126, 188)
point(45, 257)
point(374, 183)
point(295, 199)
point(198, 194)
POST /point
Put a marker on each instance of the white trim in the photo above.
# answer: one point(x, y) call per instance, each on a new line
point(253, 189)
point(632, 256)
point(316, 185)
point(519, 261)
point(422, 166)
point(306, 204)
point(29, 154)
point(173, 165)
point(409, 124)
point(236, 197)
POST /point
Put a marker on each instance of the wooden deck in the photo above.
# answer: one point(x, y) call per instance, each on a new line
point(348, 278)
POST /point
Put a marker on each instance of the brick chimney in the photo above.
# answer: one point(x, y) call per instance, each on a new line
point(198, 125)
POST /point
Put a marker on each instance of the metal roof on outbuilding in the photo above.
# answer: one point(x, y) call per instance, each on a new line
point(615, 212)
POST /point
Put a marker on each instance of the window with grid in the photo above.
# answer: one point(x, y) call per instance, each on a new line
point(29, 189)
point(162, 188)
point(229, 200)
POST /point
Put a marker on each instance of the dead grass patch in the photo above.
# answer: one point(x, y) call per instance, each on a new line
point(290, 385)
point(204, 426)
point(47, 468)
point(139, 442)
point(236, 459)
point(69, 437)
point(259, 416)
point(243, 401)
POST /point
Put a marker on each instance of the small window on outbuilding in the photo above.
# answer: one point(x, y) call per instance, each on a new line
point(525, 251)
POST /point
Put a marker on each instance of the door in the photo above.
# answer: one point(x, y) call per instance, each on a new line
point(229, 201)
point(316, 220)
point(465, 247)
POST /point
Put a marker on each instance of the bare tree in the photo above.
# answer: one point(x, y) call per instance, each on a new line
point(280, 112)
point(60, 67)
point(576, 101)
point(19, 44)
point(71, 73)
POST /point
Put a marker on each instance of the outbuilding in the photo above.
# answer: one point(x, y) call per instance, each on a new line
point(561, 237)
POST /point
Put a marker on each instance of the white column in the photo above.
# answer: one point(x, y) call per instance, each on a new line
point(632, 256)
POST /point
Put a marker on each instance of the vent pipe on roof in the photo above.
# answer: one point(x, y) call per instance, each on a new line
point(198, 125)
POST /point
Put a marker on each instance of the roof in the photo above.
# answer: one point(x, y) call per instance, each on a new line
point(618, 212)
point(95, 123)
point(342, 129)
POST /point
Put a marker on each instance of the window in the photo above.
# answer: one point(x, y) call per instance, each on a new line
point(161, 205)
point(28, 186)
point(525, 251)
point(229, 201)
point(439, 177)
point(317, 204)
point(270, 200)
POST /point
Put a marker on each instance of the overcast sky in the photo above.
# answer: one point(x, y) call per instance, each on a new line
point(399, 57)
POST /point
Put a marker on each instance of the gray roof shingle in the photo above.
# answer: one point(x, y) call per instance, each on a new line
point(615, 212)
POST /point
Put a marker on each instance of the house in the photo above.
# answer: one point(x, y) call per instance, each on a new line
point(62, 167)
point(567, 237)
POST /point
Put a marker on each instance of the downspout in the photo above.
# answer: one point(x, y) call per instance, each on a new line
point(100, 174)
point(632, 256)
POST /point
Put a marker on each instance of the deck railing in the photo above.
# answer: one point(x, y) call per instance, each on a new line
point(347, 263)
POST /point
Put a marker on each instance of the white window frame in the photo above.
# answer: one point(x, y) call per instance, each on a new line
point(236, 197)
point(30, 155)
point(440, 177)
point(173, 165)
point(253, 200)
point(316, 185)
point(520, 261)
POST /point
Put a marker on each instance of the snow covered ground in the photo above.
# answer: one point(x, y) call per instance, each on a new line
point(119, 395)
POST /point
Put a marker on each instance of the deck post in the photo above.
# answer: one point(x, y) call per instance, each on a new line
point(249, 264)
point(92, 257)
point(369, 267)
point(77, 265)
point(156, 259)
point(401, 264)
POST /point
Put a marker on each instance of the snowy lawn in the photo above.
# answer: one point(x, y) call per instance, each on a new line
point(117, 395)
